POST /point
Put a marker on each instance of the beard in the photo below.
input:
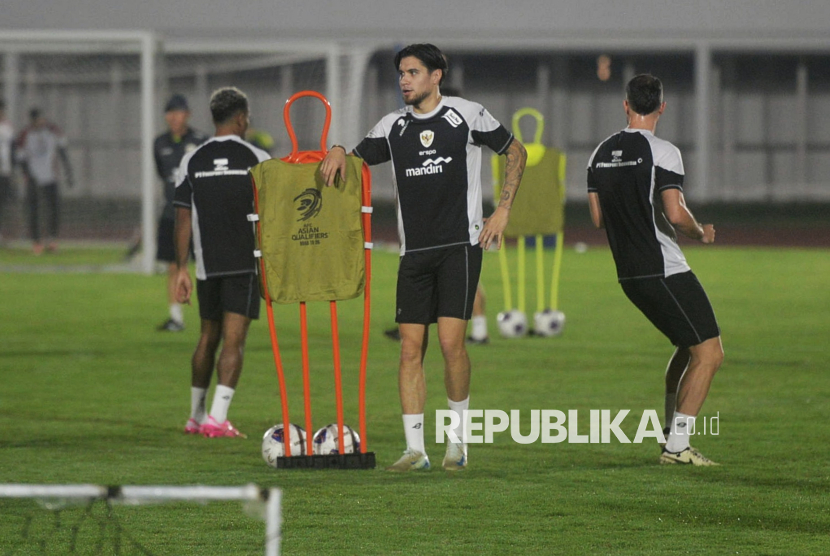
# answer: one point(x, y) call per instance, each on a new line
point(416, 100)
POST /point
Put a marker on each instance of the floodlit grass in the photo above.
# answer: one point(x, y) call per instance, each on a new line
point(75, 256)
point(91, 393)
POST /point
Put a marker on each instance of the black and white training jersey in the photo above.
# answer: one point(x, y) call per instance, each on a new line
point(213, 182)
point(168, 153)
point(628, 171)
point(436, 159)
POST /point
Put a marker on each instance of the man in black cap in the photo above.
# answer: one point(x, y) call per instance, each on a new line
point(168, 150)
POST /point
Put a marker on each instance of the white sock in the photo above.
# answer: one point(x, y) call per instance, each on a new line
point(413, 429)
point(176, 312)
point(221, 402)
point(197, 404)
point(459, 408)
point(679, 437)
point(671, 400)
point(479, 331)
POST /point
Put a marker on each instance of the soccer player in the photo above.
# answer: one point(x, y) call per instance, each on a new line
point(478, 333)
point(38, 148)
point(635, 191)
point(434, 144)
point(168, 150)
point(214, 197)
point(6, 162)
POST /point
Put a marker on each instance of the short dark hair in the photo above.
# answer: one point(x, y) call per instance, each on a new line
point(429, 55)
point(644, 94)
point(34, 113)
point(227, 102)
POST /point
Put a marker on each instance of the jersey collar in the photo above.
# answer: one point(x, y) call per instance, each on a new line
point(428, 115)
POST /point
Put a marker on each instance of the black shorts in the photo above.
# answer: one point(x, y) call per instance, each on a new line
point(676, 305)
point(165, 240)
point(228, 294)
point(438, 283)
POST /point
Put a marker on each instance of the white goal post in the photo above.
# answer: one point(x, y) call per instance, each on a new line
point(106, 90)
point(271, 498)
point(143, 45)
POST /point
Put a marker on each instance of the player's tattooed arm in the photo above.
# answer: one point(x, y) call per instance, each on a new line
point(514, 167)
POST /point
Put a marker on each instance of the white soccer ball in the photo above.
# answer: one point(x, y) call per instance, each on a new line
point(273, 447)
point(512, 324)
point(326, 441)
point(548, 323)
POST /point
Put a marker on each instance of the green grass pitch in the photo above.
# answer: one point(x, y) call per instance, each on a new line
point(91, 393)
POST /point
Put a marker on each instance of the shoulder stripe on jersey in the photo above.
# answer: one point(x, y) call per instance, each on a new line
point(506, 145)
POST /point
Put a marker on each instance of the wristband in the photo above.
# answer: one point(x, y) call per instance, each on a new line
point(341, 146)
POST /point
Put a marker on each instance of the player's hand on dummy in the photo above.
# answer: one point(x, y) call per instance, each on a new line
point(184, 286)
point(333, 164)
point(708, 234)
point(494, 228)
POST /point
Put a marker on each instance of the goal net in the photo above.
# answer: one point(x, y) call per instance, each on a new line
point(92, 519)
point(106, 92)
point(97, 90)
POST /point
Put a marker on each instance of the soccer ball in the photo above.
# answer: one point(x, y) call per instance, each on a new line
point(548, 323)
point(273, 447)
point(326, 441)
point(512, 324)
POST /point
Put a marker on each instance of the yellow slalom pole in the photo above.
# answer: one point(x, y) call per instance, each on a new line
point(521, 274)
point(557, 266)
point(560, 240)
point(505, 278)
point(540, 273)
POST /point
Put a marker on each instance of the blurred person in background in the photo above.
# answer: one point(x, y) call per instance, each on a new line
point(38, 149)
point(168, 150)
point(6, 163)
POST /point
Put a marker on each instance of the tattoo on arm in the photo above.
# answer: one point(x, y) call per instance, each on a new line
point(513, 169)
